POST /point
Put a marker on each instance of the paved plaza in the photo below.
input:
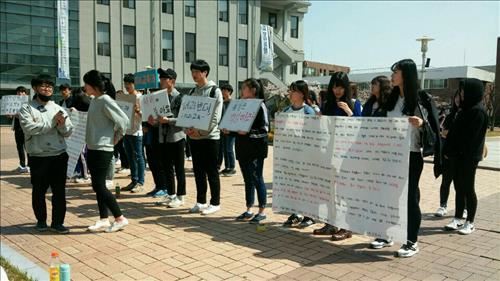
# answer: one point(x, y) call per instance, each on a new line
point(171, 244)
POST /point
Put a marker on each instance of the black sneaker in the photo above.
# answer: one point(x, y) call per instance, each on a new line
point(257, 219)
point(41, 226)
point(306, 222)
point(129, 187)
point(61, 229)
point(293, 219)
point(229, 173)
point(244, 216)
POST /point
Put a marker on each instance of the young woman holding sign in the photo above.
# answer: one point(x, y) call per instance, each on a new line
point(339, 103)
point(251, 150)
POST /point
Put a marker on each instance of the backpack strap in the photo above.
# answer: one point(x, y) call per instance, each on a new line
point(212, 91)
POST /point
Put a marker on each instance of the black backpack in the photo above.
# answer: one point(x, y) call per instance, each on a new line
point(212, 91)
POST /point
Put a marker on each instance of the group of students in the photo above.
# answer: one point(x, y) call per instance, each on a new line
point(46, 124)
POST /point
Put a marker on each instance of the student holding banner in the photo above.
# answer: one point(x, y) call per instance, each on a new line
point(205, 144)
point(19, 135)
point(45, 125)
point(106, 124)
point(339, 103)
point(298, 93)
point(133, 139)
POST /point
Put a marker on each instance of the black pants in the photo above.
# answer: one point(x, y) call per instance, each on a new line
point(414, 214)
point(464, 180)
point(204, 153)
point(49, 172)
point(157, 155)
point(188, 148)
point(447, 178)
point(19, 136)
point(172, 156)
point(98, 162)
point(120, 149)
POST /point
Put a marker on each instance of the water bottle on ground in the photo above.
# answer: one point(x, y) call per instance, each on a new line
point(117, 191)
point(64, 272)
point(54, 266)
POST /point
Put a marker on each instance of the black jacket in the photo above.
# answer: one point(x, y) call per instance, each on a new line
point(465, 139)
point(254, 144)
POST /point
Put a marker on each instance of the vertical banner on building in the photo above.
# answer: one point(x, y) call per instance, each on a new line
point(267, 48)
point(62, 40)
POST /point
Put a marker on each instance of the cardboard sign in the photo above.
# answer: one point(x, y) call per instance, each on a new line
point(76, 141)
point(127, 103)
point(155, 104)
point(196, 112)
point(240, 114)
point(12, 104)
point(349, 172)
point(147, 79)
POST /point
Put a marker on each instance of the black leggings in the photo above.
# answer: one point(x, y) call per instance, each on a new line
point(205, 154)
point(414, 213)
point(98, 162)
point(464, 179)
point(19, 136)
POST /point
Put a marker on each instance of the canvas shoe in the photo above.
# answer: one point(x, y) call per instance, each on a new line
point(454, 224)
point(381, 243)
point(257, 219)
point(165, 200)
point(61, 229)
point(467, 229)
point(210, 210)
point(176, 202)
point(198, 207)
point(137, 188)
point(408, 250)
point(41, 226)
point(117, 226)
point(99, 226)
point(441, 212)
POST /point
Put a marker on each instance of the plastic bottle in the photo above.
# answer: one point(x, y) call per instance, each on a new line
point(54, 266)
point(65, 272)
point(117, 190)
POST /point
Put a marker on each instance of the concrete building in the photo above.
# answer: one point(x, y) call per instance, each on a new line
point(312, 68)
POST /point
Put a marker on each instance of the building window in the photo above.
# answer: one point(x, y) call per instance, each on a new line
point(190, 47)
point(103, 2)
point(129, 41)
point(243, 11)
point(223, 82)
point(223, 51)
point(242, 53)
point(168, 45)
point(273, 20)
point(190, 8)
point(224, 10)
point(129, 4)
point(293, 68)
point(106, 74)
point(435, 84)
point(103, 47)
point(167, 6)
point(294, 29)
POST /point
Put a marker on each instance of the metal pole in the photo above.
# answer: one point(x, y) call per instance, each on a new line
point(422, 82)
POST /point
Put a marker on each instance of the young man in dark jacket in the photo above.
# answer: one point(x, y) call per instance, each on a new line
point(464, 146)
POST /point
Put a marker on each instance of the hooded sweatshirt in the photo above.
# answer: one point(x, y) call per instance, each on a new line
point(465, 140)
point(213, 132)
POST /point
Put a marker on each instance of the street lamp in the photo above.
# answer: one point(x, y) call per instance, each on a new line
point(423, 40)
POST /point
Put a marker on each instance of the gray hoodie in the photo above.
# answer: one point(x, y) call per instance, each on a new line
point(213, 133)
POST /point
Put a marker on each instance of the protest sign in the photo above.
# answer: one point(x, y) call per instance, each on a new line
point(12, 103)
point(76, 141)
point(155, 104)
point(349, 172)
point(196, 112)
point(127, 103)
point(240, 114)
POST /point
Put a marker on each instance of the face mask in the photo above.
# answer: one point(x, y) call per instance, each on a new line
point(44, 98)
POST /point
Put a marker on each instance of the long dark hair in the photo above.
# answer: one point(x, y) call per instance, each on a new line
point(338, 79)
point(410, 87)
point(385, 90)
point(256, 84)
point(98, 81)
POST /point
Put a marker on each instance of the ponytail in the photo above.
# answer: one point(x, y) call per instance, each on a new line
point(99, 82)
point(256, 84)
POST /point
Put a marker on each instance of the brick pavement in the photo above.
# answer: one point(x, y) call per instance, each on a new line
point(171, 244)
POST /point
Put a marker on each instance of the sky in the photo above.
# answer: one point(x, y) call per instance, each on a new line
point(371, 34)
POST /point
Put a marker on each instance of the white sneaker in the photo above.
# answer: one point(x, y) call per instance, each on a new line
point(118, 162)
point(100, 225)
point(23, 170)
point(165, 200)
point(454, 224)
point(189, 158)
point(109, 184)
point(198, 207)
point(381, 243)
point(467, 229)
point(124, 171)
point(464, 215)
point(176, 202)
point(85, 180)
point(408, 250)
point(117, 226)
point(210, 210)
point(441, 212)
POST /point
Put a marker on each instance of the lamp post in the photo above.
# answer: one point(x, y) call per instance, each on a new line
point(423, 40)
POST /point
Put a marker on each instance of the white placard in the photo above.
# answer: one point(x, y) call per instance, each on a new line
point(196, 112)
point(127, 103)
point(240, 114)
point(155, 104)
point(76, 141)
point(12, 103)
point(349, 172)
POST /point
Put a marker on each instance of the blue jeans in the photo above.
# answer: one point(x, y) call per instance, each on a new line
point(133, 148)
point(252, 175)
point(226, 151)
